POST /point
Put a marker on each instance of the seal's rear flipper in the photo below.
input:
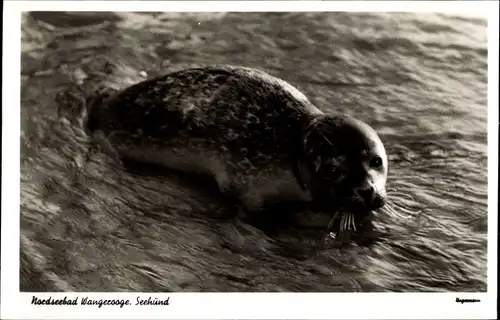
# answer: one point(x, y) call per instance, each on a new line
point(82, 110)
point(79, 108)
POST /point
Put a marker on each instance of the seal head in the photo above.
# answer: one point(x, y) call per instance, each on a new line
point(344, 164)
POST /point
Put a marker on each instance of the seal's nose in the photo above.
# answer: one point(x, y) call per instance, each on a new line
point(372, 200)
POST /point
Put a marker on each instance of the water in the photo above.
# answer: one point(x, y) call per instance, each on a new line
point(419, 80)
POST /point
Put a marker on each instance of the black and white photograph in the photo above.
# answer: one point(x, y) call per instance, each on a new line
point(250, 151)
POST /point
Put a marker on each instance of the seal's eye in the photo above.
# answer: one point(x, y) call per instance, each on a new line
point(329, 168)
point(330, 171)
point(376, 162)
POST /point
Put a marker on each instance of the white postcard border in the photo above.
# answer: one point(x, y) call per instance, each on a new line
point(236, 305)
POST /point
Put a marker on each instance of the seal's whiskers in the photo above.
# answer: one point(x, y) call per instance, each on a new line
point(347, 222)
point(342, 222)
point(335, 217)
point(397, 210)
point(353, 222)
point(403, 208)
point(401, 195)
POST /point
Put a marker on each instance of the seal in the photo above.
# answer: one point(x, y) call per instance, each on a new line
point(259, 137)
